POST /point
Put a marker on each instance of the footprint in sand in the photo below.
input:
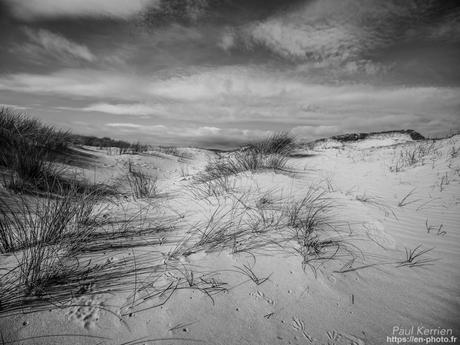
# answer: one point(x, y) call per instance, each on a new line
point(299, 326)
point(86, 312)
point(332, 335)
point(340, 338)
point(260, 294)
point(376, 232)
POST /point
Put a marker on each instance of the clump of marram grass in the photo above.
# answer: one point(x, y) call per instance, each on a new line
point(212, 188)
point(15, 125)
point(305, 227)
point(413, 257)
point(50, 219)
point(413, 155)
point(269, 153)
point(28, 161)
point(30, 168)
point(44, 233)
point(281, 143)
point(28, 151)
point(307, 217)
point(309, 213)
point(142, 185)
point(50, 238)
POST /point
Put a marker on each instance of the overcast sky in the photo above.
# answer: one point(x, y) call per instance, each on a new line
point(213, 72)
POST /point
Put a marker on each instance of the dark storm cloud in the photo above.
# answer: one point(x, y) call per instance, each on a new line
point(220, 12)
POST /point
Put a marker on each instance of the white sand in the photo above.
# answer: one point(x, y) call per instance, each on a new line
point(317, 305)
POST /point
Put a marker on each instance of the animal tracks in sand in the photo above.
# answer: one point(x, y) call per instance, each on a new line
point(337, 338)
point(376, 232)
point(86, 312)
point(299, 326)
point(333, 337)
point(259, 294)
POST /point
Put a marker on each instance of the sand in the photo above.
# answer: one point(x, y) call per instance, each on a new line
point(379, 210)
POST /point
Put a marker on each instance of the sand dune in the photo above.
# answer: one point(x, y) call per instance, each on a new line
point(202, 277)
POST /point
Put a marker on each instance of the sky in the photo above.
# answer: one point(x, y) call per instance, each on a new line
point(216, 73)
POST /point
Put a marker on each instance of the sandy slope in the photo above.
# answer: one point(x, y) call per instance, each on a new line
point(357, 298)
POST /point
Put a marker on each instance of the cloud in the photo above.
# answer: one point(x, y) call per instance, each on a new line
point(45, 43)
point(76, 82)
point(303, 41)
point(227, 40)
point(229, 85)
point(346, 37)
point(135, 109)
point(244, 97)
point(316, 31)
point(225, 82)
point(184, 11)
point(13, 106)
point(135, 126)
point(315, 131)
point(190, 134)
point(37, 9)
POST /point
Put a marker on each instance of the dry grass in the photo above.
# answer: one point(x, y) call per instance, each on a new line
point(269, 153)
point(407, 199)
point(17, 125)
point(249, 272)
point(64, 248)
point(281, 143)
point(416, 257)
point(43, 233)
point(27, 147)
point(310, 221)
point(214, 188)
point(244, 222)
point(29, 151)
point(414, 154)
point(142, 185)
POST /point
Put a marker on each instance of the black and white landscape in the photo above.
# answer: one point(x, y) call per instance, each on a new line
point(229, 172)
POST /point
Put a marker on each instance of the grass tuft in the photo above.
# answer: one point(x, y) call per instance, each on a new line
point(414, 155)
point(43, 233)
point(29, 151)
point(268, 153)
point(414, 258)
point(281, 143)
point(142, 185)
